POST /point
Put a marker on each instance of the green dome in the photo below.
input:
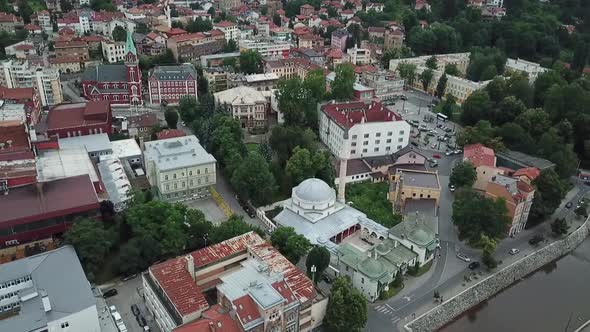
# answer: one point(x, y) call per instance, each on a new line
point(420, 237)
point(372, 268)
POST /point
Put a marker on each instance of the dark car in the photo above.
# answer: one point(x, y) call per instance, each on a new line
point(536, 239)
point(135, 309)
point(473, 265)
point(140, 320)
point(248, 211)
point(110, 293)
point(436, 155)
point(327, 279)
point(433, 165)
point(569, 205)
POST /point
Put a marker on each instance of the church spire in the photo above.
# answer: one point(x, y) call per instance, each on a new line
point(129, 46)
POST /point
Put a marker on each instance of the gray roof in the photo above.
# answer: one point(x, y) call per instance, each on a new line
point(105, 73)
point(126, 148)
point(252, 280)
point(522, 160)
point(414, 178)
point(415, 228)
point(178, 152)
point(57, 273)
point(93, 143)
point(175, 73)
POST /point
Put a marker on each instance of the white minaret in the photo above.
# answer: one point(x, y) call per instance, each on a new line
point(342, 180)
point(167, 13)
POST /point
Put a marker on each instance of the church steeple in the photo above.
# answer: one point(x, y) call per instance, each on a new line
point(129, 46)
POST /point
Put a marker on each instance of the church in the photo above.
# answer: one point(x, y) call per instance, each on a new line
point(120, 84)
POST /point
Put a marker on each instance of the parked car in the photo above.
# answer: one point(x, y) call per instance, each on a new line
point(141, 320)
point(569, 205)
point(452, 187)
point(110, 293)
point(433, 146)
point(448, 153)
point(436, 155)
point(327, 279)
point(473, 265)
point(587, 183)
point(459, 151)
point(463, 257)
point(414, 143)
point(248, 211)
point(536, 239)
point(513, 251)
point(112, 309)
point(129, 277)
point(135, 309)
point(433, 165)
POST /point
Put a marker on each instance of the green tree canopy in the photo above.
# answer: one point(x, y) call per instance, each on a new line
point(292, 245)
point(171, 117)
point(233, 227)
point(253, 179)
point(342, 87)
point(463, 174)
point(407, 71)
point(320, 258)
point(119, 34)
point(426, 78)
point(92, 243)
point(347, 307)
point(441, 86)
point(250, 62)
point(305, 164)
point(284, 139)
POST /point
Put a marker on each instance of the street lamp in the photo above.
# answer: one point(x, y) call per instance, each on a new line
point(313, 271)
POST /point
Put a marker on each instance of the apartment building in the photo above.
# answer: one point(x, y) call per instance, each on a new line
point(179, 168)
point(393, 38)
point(168, 84)
point(68, 49)
point(229, 29)
point(267, 48)
point(359, 56)
point(338, 39)
point(290, 67)
point(461, 60)
point(216, 78)
point(530, 69)
point(362, 129)
point(246, 104)
point(257, 289)
point(9, 22)
point(459, 87)
point(113, 51)
point(518, 196)
point(22, 74)
point(386, 84)
point(190, 46)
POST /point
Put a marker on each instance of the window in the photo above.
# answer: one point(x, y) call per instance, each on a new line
point(364, 150)
point(389, 133)
point(413, 194)
point(352, 151)
point(167, 187)
point(205, 170)
point(366, 143)
point(387, 148)
point(388, 140)
point(190, 173)
point(378, 134)
point(362, 280)
point(175, 186)
point(166, 177)
point(366, 136)
point(353, 144)
point(377, 141)
point(376, 150)
point(401, 132)
point(64, 325)
point(174, 176)
point(399, 147)
point(401, 139)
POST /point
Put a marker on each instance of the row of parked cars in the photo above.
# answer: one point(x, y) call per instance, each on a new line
point(138, 317)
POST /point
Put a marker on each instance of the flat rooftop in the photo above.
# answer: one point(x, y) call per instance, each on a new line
point(423, 179)
point(178, 152)
point(63, 163)
point(93, 143)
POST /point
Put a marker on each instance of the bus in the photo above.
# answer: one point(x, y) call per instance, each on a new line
point(442, 117)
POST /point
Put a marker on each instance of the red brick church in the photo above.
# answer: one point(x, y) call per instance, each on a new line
point(120, 84)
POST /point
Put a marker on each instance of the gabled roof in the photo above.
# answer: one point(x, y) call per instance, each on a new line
point(352, 113)
point(105, 73)
point(174, 73)
point(479, 155)
point(530, 172)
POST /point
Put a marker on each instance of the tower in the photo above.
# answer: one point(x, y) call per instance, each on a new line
point(133, 72)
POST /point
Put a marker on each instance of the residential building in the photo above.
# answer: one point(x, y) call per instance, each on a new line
point(393, 38)
point(518, 197)
point(461, 60)
point(260, 82)
point(66, 65)
point(412, 184)
point(216, 78)
point(92, 117)
point(338, 39)
point(29, 97)
point(179, 168)
point(376, 32)
point(460, 88)
point(315, 56)
point(310, 41)
point(78, 49)
point(112, 51)
point(359, 56)
point(416, 232)
point(358, 129)
point(226, 5)
point(97, 145)
point(170, 133)
point(17, 160)
point(119, 84)
point(168, 84)
point(38, 296)
point(483, 160)
point(44, 19)
point(126, 151)
point(246, 104)
point(267, 48)
point(290, 67)
point(9, 22)
point(42, 210)
point(191, 46)
point(378, 7)
point(216, 60)
point(257, 290)
point(116, 183)
point(229, 29)
point(530, 69)
point(386, 84)
point(22, 74)
point(306, 10)
point(140, 126)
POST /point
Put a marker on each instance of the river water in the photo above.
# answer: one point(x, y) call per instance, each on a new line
point(544, 301)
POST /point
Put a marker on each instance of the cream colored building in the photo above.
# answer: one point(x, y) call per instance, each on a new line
point(459, 87)
point(113, 51)
point(246, 104)
point(359, 56)
point(21, 74)
point(406, 184)
point(461, 60)
point(179, 168)
point(290, 67)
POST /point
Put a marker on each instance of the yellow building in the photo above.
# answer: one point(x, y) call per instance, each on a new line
point(405, 184)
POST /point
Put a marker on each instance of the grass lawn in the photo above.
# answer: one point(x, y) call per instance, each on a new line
point(423, 269)
point(252, 146)
point(371, 198)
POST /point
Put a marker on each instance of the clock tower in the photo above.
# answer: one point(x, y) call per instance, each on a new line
point(133, 72)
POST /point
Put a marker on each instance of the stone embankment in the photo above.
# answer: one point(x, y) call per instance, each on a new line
point(488, 287)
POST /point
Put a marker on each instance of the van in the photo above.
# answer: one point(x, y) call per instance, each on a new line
point(117, 318)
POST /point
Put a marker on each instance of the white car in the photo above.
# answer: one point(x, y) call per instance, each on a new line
point(513, 251)
point(463, 257)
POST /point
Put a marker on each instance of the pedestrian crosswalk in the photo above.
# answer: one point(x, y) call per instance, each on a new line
point(387, 310)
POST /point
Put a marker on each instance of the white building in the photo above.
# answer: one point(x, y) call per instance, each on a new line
point(495, 3)
point(459, 87)
point(357, 129)
point(47, 292)
point(116, 183)
point(113, 51)
point(179, 168)
point(461, 60)
point(20, 74)
point(230, 30)
point(97, 145)
point(531, 69)
point(267, 48)
point(246, 104)
point(359, 56)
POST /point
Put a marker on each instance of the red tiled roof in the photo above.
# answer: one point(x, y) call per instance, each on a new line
point(146, 120)
point(74, 115)
point(376, 29)
point(175, 32)
point(64, 59)
point(170, 133)
point(478, 155)
point(307, 6)
point(350, 114)
point(246, 309)
point(225, 24)
point(32, 27)
point(213, 320)
point(69, 44)
point(16, 93)
point(92, 38)
point(196, 35)
point(530, 172)
point(23, 47)
point(57, 198)
point(13, 131)
point(4, 17)
point(152, 35)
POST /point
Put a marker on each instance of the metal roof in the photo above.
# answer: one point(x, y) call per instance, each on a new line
point(92, 143)
point(175, 73)
point(125, 148)
point(63, 163)
point(178, 152)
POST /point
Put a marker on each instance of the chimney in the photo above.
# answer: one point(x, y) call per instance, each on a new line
point(190, 265)
point(9, 142)
point(45, 301)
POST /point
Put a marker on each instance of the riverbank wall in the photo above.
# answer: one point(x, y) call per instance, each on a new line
point(488, 287)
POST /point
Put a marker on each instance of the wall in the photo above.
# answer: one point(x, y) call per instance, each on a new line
point(450, 309)
point(85, 320)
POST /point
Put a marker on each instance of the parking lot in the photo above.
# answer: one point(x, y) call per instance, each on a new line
point(128, 293)
point(209, 208)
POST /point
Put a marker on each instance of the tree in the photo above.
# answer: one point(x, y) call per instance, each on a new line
point(449, 9)
point(475, 214)
point(407, 71)
point(549, 193)
point(231, 228)
point(253, 179)
point(342, 87)
point(119, 34)
point(432, 63)
point(398, 281)
point(198, 25)
point(230, 46)
point(279, 237)
point(305, 164)
point(107, 210)
point(451, 69)
point(250, 62)
point(320, 258)
point(488, 260)
point(426, 78)
point(171, 117)
point(441, 86)
point(476, 107)
point(188, 109)
point(25, 11)
point(92, 243)
point(129, 260)
point(580, 211)
point(65, 6)
point(463, 175)
point(449, 106)
point(284, 139)
point(347, 307)
point(296, 247)
point(581, 53)
point(559, 227)
point(276, 19)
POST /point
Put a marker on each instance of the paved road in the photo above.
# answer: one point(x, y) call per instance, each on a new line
point(70, 92)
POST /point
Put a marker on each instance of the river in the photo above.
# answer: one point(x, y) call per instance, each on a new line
point(544, 301)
